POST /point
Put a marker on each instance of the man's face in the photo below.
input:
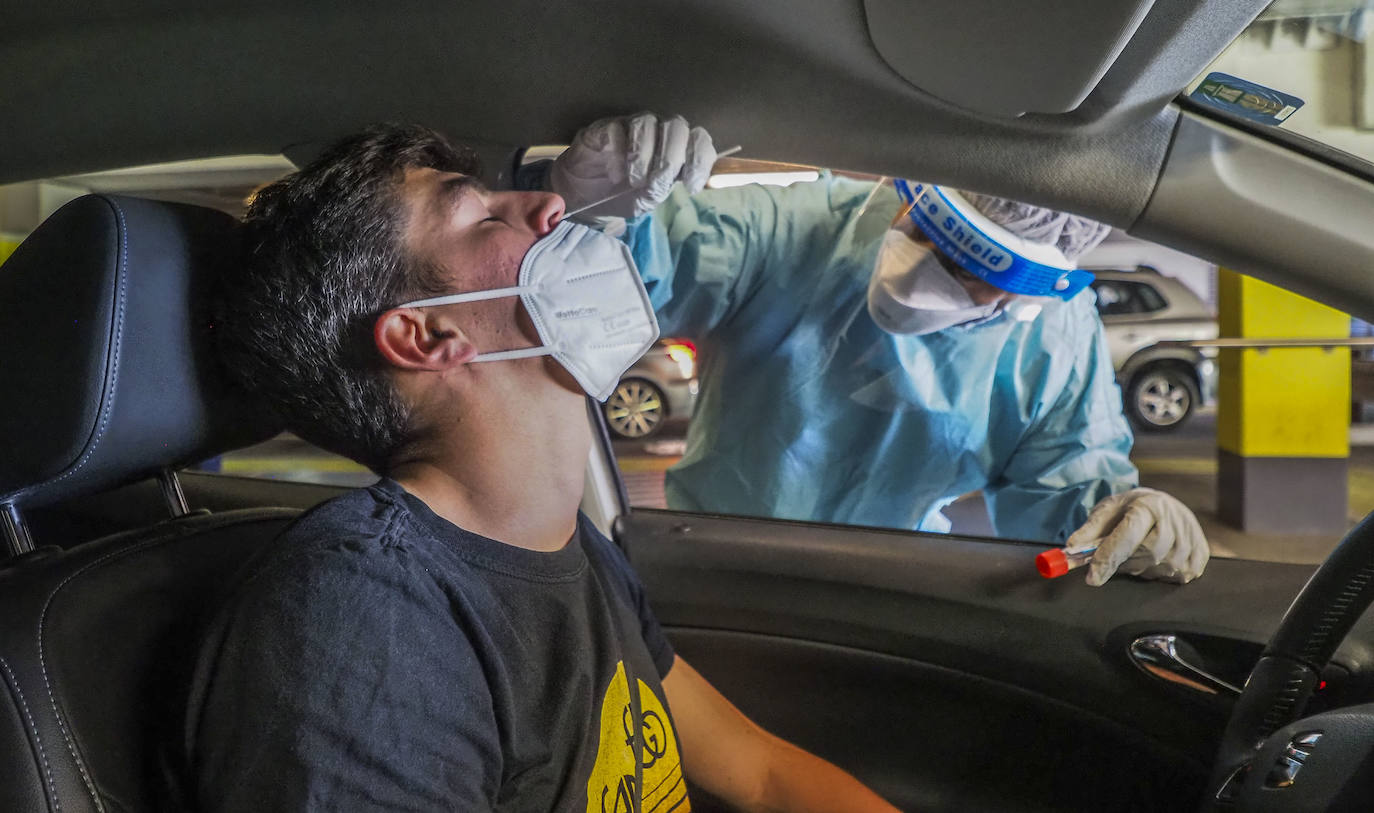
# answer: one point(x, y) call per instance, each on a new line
point(478, 237)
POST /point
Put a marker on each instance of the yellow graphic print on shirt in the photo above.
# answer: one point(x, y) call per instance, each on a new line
point(611, 788)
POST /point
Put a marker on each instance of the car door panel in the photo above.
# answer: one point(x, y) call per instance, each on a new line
point(930, 738)
point(945, 670)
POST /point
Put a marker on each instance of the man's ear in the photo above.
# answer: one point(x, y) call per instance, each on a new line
point(413, 339)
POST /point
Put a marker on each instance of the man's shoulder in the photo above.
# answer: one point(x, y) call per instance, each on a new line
point(359, 521)
point(361, 534)
point(370, 513)
point(350, 568)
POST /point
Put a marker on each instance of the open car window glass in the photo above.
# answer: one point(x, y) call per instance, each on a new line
point(1303, 66)
point(777, 394)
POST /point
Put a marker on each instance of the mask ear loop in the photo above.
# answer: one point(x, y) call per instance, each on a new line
point(470, 296)
point(478, 296)
point(522, 353)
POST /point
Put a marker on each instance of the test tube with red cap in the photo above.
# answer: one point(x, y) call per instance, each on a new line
point(1055, 562)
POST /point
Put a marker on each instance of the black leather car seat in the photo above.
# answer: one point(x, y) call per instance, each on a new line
point(108, 379)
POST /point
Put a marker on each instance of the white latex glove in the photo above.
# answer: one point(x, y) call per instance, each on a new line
point(1145, 533)
point(640, 155)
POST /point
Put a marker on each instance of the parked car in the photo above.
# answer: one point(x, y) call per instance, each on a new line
point(661, 385)
point(1161, 385)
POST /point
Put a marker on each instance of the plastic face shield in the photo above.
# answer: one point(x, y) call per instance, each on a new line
point(983, 248)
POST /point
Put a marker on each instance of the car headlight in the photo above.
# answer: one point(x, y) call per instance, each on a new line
point(686, 357)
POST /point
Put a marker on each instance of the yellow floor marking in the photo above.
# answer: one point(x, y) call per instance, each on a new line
point(1361, 483)
point(639, 465)
point(1177, 465)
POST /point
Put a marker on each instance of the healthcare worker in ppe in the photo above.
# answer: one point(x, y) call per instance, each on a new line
point(874, 350)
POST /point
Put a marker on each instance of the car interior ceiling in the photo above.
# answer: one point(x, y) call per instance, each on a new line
point(1104, 139)
point(723, 65)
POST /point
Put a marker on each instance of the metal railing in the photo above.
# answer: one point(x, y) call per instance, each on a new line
point(1266, 344)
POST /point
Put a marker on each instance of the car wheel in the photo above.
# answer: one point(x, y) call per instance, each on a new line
point(635, 410)
point(1161, 398)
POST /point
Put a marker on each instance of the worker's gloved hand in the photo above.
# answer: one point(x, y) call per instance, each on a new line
point(641, 156)
point(1145, 533)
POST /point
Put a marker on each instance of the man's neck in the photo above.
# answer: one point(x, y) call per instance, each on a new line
point(511, 471)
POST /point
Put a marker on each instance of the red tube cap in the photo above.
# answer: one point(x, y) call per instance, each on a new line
point(1052, 563)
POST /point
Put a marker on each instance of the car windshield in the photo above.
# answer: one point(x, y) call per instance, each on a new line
point(1301, 66)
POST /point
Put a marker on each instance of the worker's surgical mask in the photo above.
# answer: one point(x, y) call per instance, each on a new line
point(583, 292)
point(910, 293)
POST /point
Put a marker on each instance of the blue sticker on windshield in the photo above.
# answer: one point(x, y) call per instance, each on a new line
point(1246, 99)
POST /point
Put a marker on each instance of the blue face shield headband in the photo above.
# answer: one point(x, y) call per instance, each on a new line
point(987, 250)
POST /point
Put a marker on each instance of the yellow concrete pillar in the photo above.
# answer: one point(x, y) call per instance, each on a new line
point(1283, 418)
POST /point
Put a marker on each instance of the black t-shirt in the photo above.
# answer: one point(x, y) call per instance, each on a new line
point(382, 658)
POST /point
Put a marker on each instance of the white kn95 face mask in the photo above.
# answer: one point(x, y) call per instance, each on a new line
point(583, 292)
point(910, 293)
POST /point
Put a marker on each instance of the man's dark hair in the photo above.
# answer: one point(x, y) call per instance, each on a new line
point(324, 259)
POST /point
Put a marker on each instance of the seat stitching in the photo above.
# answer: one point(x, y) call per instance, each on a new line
point(33, 729)
point(114, 344)
point(172, 532)
point(118, 332)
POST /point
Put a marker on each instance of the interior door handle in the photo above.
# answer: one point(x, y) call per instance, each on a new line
point(1158, 655)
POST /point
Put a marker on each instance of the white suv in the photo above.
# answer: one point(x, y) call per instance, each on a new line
point(1161, 385)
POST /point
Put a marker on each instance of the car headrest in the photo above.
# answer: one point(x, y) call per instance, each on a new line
point(107, 374)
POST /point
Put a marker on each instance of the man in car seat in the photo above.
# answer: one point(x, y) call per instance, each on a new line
point(874, 351)
point(458, 636)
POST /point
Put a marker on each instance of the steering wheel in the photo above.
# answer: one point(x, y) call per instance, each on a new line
point(1272, 760)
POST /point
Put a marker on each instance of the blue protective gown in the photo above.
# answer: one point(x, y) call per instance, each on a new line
point(809, 411)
